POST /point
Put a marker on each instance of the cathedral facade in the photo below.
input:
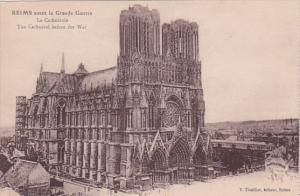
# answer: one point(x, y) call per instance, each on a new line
point(141, 120)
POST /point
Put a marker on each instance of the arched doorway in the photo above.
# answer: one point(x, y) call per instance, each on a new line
point(199, 157)
point(158, 165)
point(179, 161)
point(158, 160)
point(180, 154)
point(200, 162)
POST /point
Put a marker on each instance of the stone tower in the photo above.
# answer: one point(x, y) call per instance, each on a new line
point(139, 31)
point(180, 38)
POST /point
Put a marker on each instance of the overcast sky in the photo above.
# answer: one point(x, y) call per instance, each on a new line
point(249, 52)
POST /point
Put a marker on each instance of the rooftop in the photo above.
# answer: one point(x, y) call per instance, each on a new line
point(238, 142)
point(25, 172)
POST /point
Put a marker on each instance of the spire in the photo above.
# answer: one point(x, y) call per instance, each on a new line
point(41, 68)
point(62, 69)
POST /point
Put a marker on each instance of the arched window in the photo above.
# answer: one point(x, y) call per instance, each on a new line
point(151, 113)
point(35, 116)
point(143, 118)
point(108, 117)
point(99, 117)
point(117, 119)
point(151, 119)
point(90, 118)
point(113, 117)
point(76, 118)
point(127, 119)
point(189, 119)
point(61, 114)
point(131, 118)
point(70, 118)
point(47, 120)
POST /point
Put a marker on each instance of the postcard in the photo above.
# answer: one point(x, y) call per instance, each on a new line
point(149, 98)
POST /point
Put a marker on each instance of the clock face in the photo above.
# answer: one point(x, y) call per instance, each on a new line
point(171, 115)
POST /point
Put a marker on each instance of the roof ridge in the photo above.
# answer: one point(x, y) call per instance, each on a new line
point(32, 162)
point(103, 70)
point(51, 72)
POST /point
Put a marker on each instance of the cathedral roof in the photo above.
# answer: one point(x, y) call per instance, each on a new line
point(65, 84)
point(51, 82)
point(102, 77)
point(46, 81)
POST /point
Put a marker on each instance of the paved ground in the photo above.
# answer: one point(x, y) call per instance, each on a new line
point(253, 184)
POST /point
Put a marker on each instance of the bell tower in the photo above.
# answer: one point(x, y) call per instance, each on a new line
point(139, 31)
point(181, 39)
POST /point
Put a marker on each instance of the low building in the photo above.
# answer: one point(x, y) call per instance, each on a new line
point(5, 164)
point(27, 178)
point(239, 156)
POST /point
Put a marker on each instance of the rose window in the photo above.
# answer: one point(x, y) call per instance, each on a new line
point(171, 115)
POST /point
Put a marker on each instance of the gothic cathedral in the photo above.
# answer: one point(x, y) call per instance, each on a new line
point(141, 121)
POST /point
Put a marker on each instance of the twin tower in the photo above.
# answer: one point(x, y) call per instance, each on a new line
point(140, 33)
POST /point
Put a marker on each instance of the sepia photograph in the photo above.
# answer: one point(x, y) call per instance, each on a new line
point(149, 98)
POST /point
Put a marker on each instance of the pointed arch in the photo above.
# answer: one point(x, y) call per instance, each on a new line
point(157, 143)
point(44, 115)
point(200, 149)
point(61, 112)
point(158, 160)
point(176, 99)
point(61, 153)
point(35, 115)
point(180, 154)
point(199, 157)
